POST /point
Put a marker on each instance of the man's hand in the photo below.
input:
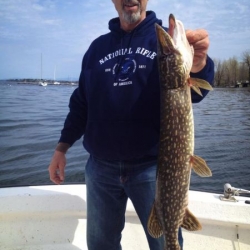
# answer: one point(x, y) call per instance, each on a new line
point(56, 167)
point(200, 41)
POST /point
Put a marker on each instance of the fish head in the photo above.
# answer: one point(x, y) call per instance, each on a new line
point(175, 55)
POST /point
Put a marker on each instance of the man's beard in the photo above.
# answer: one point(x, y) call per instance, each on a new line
point(131, 18)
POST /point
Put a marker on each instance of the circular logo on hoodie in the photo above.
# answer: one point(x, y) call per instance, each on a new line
point(124, 69)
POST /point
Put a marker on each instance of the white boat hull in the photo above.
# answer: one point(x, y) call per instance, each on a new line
point(54, 217)
point(44, 84)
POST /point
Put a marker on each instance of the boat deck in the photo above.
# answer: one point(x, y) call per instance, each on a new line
point(54, 217)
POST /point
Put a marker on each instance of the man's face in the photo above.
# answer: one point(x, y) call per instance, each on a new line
point(131, 11)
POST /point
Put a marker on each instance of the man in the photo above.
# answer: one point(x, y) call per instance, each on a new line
point(117, 108)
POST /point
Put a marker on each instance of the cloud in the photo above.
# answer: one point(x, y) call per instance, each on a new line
point(227, 22)
point(63, 30)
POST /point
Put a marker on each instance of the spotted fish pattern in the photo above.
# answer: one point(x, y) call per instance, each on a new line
point(176, 147)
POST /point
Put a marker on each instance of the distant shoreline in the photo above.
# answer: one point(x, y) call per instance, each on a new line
point(75, 83)
point(36, 81)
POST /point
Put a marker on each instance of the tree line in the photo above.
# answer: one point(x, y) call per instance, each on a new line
point(232, 72)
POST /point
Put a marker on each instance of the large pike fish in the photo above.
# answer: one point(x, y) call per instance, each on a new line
point(176, 147)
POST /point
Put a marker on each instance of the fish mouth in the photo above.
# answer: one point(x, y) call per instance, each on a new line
point(165, 41)
point(174, 42)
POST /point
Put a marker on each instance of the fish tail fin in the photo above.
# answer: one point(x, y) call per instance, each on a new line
point(200, 166)
point(196, 84)
point(154, 226)
point(190, 222)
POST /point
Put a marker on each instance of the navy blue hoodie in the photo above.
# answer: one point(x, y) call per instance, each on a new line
point(117, 103)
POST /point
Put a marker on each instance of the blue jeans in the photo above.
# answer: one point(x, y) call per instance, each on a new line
point(109, 185)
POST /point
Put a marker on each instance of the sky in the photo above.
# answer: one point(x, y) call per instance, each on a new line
point(60, 31)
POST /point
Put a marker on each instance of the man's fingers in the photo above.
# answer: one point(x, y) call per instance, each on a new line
point(200, 41)
point(201, 48)
point(56, 174)
point(61, 173)
point(194, 36)
point(56, 167)
point(54, 177)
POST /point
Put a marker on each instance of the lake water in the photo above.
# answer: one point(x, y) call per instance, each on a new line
point(31, 118)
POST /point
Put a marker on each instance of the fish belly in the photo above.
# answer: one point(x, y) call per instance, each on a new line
point(175, 150)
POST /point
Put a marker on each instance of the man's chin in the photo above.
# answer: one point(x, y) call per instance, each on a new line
point(131, 17)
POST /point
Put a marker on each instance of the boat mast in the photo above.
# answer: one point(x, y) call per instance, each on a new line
point(41, 66)
point(55, 73)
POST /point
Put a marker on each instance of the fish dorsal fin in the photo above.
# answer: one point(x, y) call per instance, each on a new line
point(190, 222)
point(196, 84)
point(200, 166)
point(154, 226)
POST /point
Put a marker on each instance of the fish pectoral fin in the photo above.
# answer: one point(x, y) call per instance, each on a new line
point(196, 84)
point(154, 226)
point(190, 222)
point(200, 83)
point(196, 89)
point(200, 166)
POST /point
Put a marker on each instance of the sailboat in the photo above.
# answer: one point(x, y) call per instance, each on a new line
point(55, 82)
point(42, 82)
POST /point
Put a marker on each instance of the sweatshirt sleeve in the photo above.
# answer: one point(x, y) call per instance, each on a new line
point(207, 73)
point(75, 122)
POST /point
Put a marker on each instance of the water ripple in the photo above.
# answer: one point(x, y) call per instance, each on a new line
point(32, 117)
